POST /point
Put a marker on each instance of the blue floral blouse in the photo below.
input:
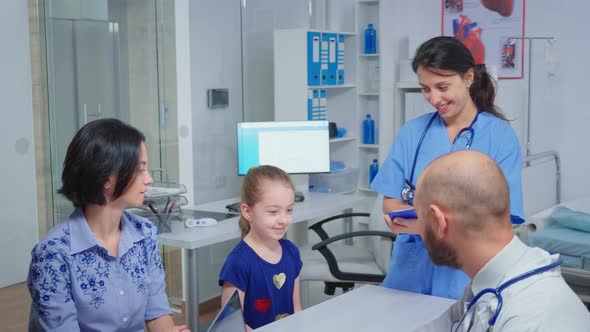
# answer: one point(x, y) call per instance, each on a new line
point(77, 285)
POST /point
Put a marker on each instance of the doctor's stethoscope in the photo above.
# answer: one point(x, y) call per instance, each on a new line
point(407, 193)
point(498, 293)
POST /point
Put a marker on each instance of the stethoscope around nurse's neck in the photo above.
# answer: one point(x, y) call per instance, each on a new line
point(407, 193)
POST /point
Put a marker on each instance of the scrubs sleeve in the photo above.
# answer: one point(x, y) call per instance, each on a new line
point(510, 161)
point(389, 180)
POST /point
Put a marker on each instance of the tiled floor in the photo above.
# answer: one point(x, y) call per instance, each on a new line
point(15, 303)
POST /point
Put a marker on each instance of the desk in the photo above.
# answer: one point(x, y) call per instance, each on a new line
point(368, 308)
point(315, 205)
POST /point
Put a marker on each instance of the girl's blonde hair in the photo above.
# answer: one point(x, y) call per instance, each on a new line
point(251, 188)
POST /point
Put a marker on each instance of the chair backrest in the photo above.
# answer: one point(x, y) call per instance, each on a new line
point(380, 246)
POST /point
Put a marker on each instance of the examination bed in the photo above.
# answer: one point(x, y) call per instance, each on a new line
point(564, 229)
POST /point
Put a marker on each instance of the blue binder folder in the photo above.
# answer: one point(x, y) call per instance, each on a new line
point(310, 104)
point(328, 58)
point(340, 77)
point(313, 58)
point(316, 104)
point(322, 105)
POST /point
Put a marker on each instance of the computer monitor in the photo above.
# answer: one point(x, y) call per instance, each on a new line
point(297, 147)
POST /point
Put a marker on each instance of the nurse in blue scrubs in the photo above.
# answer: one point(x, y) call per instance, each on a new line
point(462, 94)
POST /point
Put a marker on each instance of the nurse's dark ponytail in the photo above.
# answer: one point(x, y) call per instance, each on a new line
point(448, 53)
point(483, 92)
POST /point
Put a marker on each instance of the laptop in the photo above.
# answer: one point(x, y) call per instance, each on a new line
point(230, 317)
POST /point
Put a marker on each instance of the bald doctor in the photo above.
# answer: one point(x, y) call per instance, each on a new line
point(462, 201)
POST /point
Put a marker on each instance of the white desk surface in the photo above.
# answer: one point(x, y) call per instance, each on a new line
point(315, 205)
point(368, 308)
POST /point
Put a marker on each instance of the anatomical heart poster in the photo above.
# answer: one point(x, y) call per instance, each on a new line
point(493, 30)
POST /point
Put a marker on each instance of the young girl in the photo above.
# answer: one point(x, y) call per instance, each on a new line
point(264, 267)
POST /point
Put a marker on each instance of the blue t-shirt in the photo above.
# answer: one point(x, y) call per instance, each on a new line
point(77, 285)
point(268, 287)
point(411, 268)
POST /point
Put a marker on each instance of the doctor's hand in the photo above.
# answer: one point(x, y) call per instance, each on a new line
point(181, 328)
point(401, 225)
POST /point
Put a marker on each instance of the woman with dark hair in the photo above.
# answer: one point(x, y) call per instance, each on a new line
point(101, 270)
point(465, 117)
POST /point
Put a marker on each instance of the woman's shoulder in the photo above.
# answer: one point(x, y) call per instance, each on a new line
point(498, 127)
point(55, 244)
point(58, 237)
point(142, 225)
point(491, 120)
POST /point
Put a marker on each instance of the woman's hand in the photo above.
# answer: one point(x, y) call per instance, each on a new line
point(401, 225)
point(180, 328)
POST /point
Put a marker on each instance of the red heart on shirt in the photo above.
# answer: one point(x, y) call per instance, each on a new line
point(262, 305)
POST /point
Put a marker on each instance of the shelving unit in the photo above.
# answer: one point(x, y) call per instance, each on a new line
point(291, 89)
point(347, 103)
point(369, 146)
point(368, 87)
point(341, 86)
point(342, 139)
point(401, 88)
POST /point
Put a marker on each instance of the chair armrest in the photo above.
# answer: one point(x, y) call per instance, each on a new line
point(322, 247)
point(352, 235)
point(317, 227)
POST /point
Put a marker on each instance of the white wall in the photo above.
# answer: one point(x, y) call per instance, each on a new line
point(567, 20)
point(259, 19)
point(215, 48)
point(18, 199)
point(208, 159)
point(558, 117)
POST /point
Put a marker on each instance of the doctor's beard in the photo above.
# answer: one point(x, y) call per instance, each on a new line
point(440, 253)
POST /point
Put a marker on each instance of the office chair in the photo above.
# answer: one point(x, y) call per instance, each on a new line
point(341, 266)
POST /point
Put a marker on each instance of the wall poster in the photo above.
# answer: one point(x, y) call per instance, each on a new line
point(492, 29)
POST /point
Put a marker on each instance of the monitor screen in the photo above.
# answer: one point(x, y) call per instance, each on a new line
point(294, 146)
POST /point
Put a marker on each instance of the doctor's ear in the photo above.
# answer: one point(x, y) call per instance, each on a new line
point(439, 220)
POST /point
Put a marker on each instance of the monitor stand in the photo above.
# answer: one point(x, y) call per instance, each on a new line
point(301, 183)
point(299, 197)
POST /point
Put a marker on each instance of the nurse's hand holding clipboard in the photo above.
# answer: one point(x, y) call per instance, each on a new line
point(403, 221)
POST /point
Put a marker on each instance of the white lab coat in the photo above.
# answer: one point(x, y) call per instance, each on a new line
point(542, 302)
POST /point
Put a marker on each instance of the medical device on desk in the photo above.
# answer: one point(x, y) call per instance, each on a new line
point(498, 293)
point(408, 192)
point(203, 222)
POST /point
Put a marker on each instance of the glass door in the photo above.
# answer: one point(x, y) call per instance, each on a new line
point(84, 78)
point(103, 60)
point(112, 58)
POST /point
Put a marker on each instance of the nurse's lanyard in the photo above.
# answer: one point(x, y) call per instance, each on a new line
point(498, 293)
point(408, 192)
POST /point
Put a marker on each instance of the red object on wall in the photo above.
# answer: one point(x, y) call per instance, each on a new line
point(471, 40)
point(502, 7)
